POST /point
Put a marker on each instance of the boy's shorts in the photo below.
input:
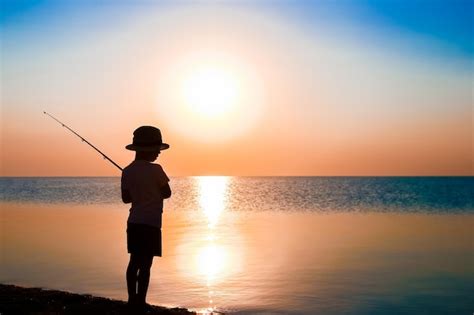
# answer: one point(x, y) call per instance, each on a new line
point(143, 239)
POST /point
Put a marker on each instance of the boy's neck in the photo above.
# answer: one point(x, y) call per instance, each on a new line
point(142, 160)
point(145, 156)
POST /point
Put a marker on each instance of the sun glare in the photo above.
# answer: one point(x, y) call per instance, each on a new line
point(209, 254)
point(210, 96)
point(210, 92)
point(213, 197)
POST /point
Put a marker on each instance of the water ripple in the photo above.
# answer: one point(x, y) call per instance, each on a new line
point(317, 194)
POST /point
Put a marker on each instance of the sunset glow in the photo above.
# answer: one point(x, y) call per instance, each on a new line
point(216, 96)
point(318, 88)
point(210, 92)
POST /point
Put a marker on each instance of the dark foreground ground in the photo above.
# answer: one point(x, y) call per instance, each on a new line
point(17, 300)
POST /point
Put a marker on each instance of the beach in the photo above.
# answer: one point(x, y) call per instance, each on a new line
point(17, 300)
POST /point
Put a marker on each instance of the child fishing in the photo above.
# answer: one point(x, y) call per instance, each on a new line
point(144, 185)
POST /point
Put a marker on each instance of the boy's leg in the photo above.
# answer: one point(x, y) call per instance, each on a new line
point(144, 277)
point(132, 277)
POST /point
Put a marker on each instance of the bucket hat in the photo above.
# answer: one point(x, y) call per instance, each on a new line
point(147, 138)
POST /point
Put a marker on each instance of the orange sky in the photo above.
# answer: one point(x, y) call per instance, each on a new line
point(273, 149)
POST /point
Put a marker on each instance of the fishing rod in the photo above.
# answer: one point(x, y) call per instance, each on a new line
point(84, 140)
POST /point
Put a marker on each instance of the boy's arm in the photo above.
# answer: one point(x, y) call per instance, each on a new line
point(166, 191)
point(126, 198)
point(163, 182)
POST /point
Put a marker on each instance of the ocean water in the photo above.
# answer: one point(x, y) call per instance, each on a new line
point(255, 245)
point(314, 194)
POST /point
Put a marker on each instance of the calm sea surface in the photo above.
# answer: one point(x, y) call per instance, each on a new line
point(255, 245)
point(314, 194)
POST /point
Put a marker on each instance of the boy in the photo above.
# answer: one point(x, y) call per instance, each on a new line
point(145, 185)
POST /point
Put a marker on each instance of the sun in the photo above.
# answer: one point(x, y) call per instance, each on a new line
point(210, 92)
point(209, 96)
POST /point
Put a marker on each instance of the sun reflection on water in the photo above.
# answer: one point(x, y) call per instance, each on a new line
point(212, 197)
point(211, 261)
point(209, 252)
point(211, 258)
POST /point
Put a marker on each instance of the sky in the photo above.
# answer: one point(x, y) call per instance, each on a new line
point(271, 88)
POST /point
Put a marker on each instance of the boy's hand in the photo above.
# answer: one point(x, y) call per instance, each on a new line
point(126, 198)
point(166, 191)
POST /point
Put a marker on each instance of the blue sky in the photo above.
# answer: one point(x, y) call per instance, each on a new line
point(450, 23)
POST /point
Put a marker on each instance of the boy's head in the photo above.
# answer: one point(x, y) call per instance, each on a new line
point(147, 143)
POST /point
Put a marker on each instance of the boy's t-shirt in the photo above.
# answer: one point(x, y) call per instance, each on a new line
point(144, 180)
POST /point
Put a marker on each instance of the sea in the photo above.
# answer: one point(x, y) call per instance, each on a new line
point(254, 245)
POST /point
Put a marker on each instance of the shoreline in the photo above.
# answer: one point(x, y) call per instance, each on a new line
point(20, 300)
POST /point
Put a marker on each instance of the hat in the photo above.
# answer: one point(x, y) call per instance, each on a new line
point(147, 138)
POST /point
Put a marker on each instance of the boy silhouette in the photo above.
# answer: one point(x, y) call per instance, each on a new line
point(145, 185)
